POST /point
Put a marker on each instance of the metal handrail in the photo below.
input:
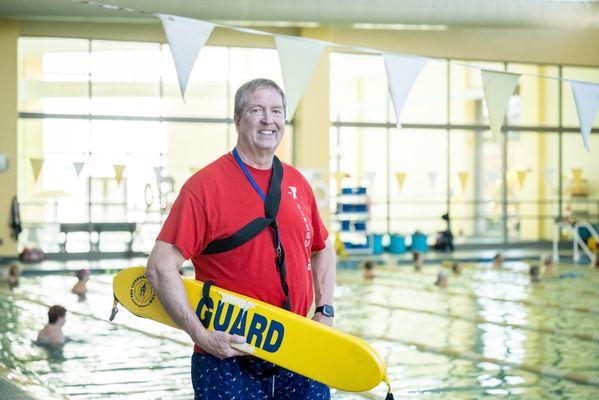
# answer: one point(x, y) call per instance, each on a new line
point(577, 242)
point(583, 245)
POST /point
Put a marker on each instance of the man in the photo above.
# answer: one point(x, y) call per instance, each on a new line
point(51, 334)
point(80, 287)
point(288, 263)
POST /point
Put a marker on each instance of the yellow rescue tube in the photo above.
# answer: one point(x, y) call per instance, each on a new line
point(299, 344)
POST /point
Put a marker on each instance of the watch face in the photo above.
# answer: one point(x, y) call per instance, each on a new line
point(328, 310)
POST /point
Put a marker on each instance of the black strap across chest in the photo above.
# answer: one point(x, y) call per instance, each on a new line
point(253, 228)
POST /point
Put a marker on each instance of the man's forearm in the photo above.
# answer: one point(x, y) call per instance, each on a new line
point(171, 293)
point(164, 277)
point(323, 272)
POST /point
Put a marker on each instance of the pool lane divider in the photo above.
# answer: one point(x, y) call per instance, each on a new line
point(587, 310)
point(537, 369)
point(540, 370)
point(573, 285)
point(480, 320)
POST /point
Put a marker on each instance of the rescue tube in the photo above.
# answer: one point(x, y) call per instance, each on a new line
point(299, 344)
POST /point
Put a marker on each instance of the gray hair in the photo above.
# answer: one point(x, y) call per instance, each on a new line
point(252, 86)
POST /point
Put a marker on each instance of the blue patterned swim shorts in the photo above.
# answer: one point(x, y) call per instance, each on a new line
point(249, 378)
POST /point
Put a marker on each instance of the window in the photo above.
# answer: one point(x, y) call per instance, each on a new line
point(94, 110)
point(495, 191)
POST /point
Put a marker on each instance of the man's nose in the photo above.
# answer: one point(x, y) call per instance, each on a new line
point(267, 117)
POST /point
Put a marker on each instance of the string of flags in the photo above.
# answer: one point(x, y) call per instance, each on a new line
point(299, 56)
point(491, 177)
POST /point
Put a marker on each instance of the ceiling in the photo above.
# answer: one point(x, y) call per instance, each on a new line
point(373, 14)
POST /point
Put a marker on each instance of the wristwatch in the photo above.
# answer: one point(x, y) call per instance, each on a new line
point(326, 310)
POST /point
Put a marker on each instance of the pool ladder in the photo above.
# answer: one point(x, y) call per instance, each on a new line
point(577, 242)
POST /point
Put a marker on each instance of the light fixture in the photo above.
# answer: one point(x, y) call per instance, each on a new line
point(400, 27)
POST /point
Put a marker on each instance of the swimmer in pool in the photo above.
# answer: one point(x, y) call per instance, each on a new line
point(80, 287)
point(442, 280)
point(549, 264)
point(368, 270)
point(418, 260)
point(14, 273)
point(535, 273)
point(456, 268)
point(51, 334)
point(498, 260)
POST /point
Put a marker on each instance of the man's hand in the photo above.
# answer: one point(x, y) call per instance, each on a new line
point(218, 344)
point(323, 319)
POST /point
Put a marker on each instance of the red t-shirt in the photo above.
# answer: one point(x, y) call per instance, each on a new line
point(217, 201)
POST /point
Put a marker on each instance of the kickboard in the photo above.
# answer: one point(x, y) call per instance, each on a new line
point(299, 344)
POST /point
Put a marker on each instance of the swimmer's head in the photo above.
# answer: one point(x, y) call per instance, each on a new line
point(82, 274)
point(56, 314)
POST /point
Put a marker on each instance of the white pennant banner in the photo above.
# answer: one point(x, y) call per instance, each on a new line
point(298, 58)
point(186, 37)
point(370, 178)
point(158, 173)
point(78, 165)
point(498, 88)
point(402, 72)
point(549, 174)
point(586, 96)
point(492, 177)
point(432, 177)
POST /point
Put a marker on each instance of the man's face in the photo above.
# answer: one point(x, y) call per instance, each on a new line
point(262, 122)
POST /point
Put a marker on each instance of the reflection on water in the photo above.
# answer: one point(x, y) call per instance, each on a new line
point(107, 360)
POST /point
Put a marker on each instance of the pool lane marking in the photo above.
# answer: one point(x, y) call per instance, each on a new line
point(480, 320)
point(503, 281)
point(472, 295)
point(540, 370)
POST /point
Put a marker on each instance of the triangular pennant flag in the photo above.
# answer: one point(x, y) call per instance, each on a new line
point(37, 164)
point(402, 72)
point(401, 177)
point(193, 170)
point(463, 179)
point(492, 176)
point(432, 177)
point(78, 165)
point(586, 97)
point(370, 177)
point(522, 173)
point(576, 175)
point(298, 58)
point(498, 88)
point(158, 172)
point(549, 174)
point(118, 172)
point(186, 37)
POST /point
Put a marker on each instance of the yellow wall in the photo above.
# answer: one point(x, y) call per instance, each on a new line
point(9, 32)
point(311, 133)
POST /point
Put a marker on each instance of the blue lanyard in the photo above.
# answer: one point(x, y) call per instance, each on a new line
point(248, 174)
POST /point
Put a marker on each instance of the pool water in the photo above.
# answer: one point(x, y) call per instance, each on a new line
point(401, 313)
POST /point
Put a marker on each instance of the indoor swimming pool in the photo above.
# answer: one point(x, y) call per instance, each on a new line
point(489, 333)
